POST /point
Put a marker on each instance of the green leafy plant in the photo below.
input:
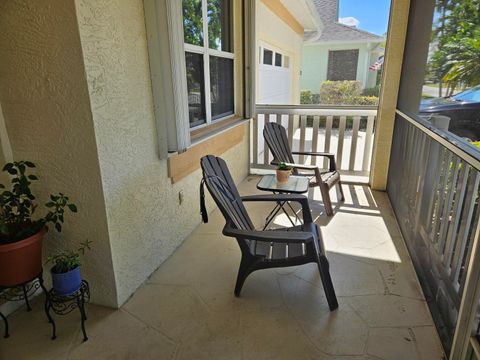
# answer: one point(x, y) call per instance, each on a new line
point(284, 167)
point(17, 205)
point(346, 93)
point(67, 260)
point(373, 91)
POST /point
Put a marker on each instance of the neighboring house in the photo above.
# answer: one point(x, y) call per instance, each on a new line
point(280, 29)
point(338, 51)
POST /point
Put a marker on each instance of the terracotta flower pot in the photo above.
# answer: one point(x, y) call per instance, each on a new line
point(21, 261)
point(283, 175)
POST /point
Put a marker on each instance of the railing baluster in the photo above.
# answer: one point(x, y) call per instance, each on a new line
point(266, 150)
point(291, 121)
point(441, 196)
point(316, 125)
point(328, 137)
point(341, 138)
point(451, 184)
point(255, 139)
point(367, 151)
point(456, 213)
point(465, 225)
point(353, 147)
point(469, 304)
point(303, 125)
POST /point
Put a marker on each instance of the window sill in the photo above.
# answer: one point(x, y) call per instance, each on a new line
point(215, 141)
point(215, 127)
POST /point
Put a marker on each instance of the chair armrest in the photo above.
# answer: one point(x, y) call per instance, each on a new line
point(330, 156)
point(313, 153)
point(269, 236)
point(296, 166)
point(302, 200)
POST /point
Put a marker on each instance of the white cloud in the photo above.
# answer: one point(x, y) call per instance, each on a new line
point(349, 21)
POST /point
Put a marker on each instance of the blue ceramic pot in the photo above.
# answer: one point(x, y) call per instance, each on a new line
point(66, 283)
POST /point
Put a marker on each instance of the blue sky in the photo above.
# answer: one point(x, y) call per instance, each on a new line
point(372, 14)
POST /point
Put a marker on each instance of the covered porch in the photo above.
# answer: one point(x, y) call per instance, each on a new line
point(186, 309)
point(103, 124)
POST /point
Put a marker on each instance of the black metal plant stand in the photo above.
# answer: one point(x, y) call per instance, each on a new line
point(65, 304)
point(21, 292)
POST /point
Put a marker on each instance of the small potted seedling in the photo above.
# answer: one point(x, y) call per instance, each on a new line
point(66, 276)
point(283, 173)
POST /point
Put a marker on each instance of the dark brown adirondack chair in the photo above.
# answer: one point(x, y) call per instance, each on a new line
point(270, 248)
point(276, 138)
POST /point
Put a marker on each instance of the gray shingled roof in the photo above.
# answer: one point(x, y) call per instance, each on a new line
point(333, 31)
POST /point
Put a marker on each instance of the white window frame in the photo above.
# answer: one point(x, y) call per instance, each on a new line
point(207, 52)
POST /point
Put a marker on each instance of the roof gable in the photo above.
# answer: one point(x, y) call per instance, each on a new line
point(333, 31)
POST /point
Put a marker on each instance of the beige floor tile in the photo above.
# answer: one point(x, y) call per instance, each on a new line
point(341, 332)
point(119, 335)
point(428, 344)
point(392, 344)
point(30, 334)
point(274, 334)
point(391, 310)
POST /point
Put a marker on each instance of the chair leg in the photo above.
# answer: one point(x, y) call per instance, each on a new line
point(326, 199)
point(323, 267)
point(243, 271)
point(342, 197)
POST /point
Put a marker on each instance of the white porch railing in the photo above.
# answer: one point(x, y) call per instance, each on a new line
point(434, 189)
point(345, 131)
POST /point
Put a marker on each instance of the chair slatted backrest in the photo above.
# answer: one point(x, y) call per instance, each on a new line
point(224, 192)
point(276, 138)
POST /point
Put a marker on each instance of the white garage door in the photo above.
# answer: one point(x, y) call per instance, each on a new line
point(275, 77)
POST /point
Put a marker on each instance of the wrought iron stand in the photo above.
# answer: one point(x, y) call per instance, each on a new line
point(22, 292)
point(63, 305)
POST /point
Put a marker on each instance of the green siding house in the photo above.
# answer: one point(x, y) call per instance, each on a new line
point(338, 52)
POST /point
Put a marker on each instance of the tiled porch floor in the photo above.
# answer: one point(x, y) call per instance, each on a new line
point(187, 310)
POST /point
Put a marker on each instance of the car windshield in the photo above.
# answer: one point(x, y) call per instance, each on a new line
point(470, 95)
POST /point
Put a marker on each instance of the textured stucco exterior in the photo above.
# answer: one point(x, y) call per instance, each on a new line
point(76, 95)
point(272, 30)
point(315, 64)
point(145, 220)
point(45, 103)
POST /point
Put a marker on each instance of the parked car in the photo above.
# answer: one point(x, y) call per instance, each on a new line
point(463, 110)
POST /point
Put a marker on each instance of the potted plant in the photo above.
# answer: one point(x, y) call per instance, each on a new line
point(283, 173)
point(66, 276)
point(21, 233)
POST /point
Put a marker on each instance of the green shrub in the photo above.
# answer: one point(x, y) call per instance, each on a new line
point(339, 92)
point(364, 100)
point(373, 91)
point(345, 93)
point(307, 97)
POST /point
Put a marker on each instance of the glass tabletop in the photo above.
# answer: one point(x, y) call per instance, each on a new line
point(295, 184)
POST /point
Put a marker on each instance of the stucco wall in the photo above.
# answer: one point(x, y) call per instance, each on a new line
point(44, 97)
point(315, 64)
point(272, 30)
point(145, 220)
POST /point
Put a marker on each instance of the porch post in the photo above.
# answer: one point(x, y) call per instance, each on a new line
point(397, 32)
